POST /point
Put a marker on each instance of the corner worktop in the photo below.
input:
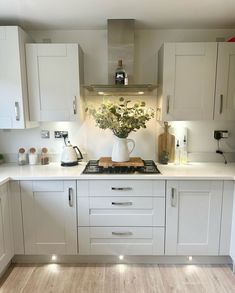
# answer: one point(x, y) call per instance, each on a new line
point(53, 171)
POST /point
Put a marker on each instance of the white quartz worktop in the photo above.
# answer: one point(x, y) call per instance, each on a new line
point(53, 171)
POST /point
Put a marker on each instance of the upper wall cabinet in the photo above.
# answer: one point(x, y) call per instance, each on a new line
point(13, 86)
point(55, 75)
point(225, 85)
point(186, 77)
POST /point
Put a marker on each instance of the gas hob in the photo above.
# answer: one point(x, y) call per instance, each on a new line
point(93, 167)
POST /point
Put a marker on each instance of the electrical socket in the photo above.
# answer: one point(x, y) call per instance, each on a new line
point(218, 134)
point(61, 134)
point(45, 134)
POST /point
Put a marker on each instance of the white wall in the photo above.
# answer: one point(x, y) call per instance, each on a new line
point(97, 142)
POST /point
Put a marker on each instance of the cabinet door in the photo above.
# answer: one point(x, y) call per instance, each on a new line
point(49, 217)
point(6, 239)
point(193, 214)
point(12, 84)
point(189, 81)
point(225, 86)
point(232, 246)
point(53, 81)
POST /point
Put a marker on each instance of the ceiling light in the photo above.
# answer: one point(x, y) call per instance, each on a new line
point(121, 257)
point(101, 93)
point(190, 258)
point(140, 93)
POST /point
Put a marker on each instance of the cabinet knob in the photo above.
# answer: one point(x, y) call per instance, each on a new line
point(122, 233)
point(75, 105)
point(127, 203)
point(173, 197)
point(121, 188)
point(17, 111)
point(168, 104)
point(221, 104)
point(70, 196)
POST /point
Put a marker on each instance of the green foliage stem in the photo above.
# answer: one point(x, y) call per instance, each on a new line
point(121, 117)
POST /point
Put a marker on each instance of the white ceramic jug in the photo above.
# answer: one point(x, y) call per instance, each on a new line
point(120, 152)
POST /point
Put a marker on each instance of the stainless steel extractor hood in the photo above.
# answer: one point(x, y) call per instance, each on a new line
point(121, 47)
point(121, 42)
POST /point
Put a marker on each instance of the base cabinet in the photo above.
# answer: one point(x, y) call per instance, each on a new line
point(232, 246)
point(6, 239)
point(121, 217)
point(193, 217)
point(49, 217)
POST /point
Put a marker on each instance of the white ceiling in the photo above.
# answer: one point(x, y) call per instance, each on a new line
point(91, 14)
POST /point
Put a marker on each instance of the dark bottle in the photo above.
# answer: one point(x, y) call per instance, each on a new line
point(120, 74)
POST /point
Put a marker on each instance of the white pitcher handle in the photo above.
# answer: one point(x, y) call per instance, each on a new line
point(133, 144)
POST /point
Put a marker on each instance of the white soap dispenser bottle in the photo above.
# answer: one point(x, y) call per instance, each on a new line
point(177, 153)
point(184, 152)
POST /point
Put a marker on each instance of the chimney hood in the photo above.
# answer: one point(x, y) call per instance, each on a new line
point(121, 47)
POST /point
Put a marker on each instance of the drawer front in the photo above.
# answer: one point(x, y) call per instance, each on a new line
point(121, 240)
point(144, 211)
point(121, 203)
point(126, 188)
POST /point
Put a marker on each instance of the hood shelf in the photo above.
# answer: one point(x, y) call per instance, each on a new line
point(109, 90)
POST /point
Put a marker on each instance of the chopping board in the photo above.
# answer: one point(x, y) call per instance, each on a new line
point(133, 162)
point(166, 143)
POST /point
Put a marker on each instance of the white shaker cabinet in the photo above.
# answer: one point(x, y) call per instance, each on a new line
point(193, 217)
point(49, 217)
point(225, 85)
point(13, 82)
point(121, 217)
point(186, 78)
point(232, 244)
point(55, 75)
point(6, 239)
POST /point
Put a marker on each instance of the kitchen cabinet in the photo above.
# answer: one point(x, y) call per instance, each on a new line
point(14, 112)
point(6, 240)
point(193, 217)
point(121, 217)
point(232, 245)
point(225, 86)
point(226, 218)
point(17, 218)
point(49, 217)
point(55, 75)
point(186, 78)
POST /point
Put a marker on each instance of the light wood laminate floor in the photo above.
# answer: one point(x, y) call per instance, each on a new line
point(121, 278)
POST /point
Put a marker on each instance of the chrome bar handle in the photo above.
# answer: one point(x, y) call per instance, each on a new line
point(221, 104)
point(121, 188)
point(168, 104)
point(75, 105)
point(173, 197)
point(122, 233)
point(17, 111)
point(70, 196)
point(127, 203)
